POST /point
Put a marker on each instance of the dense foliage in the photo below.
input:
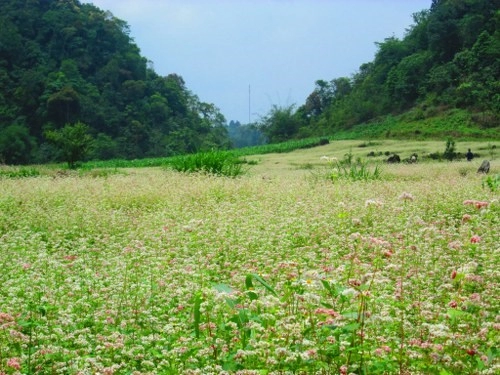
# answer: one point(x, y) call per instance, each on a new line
point(63, 62)
point(449, 59)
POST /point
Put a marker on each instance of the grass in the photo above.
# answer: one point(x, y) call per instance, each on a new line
point(156, 271)
point(177, 161)
point(420, 125)
point(221, 163)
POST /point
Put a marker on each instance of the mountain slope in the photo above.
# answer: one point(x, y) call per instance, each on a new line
point(62, 62)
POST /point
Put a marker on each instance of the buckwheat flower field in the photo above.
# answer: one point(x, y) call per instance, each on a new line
point(156, 272)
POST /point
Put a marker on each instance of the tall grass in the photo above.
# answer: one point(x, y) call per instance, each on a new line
point(221, 163)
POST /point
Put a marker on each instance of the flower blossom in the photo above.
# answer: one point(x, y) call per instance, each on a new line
point(475, 239)
point(326, 311)
point(477, 204)
point(328, 159)
point(455, 245)
point(466, 218)
point(14, 363)
point(373, 202)
point(406, 196)
point(4, 317)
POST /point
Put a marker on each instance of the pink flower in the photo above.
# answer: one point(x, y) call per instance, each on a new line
point(453, 275)
point(480, 204)
point(477, 204)
point(15, 363)
point(475, 239)
point(466, 218)
point(325, 311)
point(4, 317)
point(471, 351)
point(453, 304)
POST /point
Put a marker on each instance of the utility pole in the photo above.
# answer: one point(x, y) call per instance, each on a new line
point(249, 113)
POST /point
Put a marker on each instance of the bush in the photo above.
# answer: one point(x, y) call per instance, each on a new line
point(450, 151)
point(355, 172)
point(220, 163)
point(19, 172)
point(492, 182)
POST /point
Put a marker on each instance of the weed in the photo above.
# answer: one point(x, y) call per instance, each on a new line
point(220, 163)
point(19, 172)
point(355, 172)
point(492, 182)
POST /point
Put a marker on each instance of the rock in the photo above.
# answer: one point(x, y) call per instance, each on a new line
point(394, 159)
point(485, 167)
point(413, 159)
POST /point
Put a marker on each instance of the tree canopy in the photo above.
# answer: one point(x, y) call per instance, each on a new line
point(449, 58)
point(63, 62)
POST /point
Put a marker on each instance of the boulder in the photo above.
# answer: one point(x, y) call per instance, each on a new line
point(412, 159)
point(485, 167)
point(394, 159)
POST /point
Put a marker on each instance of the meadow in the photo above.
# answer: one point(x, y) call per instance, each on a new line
point(283, 270)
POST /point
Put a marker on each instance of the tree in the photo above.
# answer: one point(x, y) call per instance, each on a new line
point(73, 142)
point(280, 124)
point(15, 145)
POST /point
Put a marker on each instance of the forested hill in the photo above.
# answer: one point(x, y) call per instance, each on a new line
point(447, 65)
point(64, 62)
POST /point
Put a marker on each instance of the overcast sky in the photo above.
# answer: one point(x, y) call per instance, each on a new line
point(277, 48)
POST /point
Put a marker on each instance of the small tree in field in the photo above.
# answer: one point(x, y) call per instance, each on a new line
point(449, 152)
point(73, 141)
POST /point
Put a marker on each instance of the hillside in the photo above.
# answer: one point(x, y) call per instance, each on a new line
point(62, 62)
point(441, 79)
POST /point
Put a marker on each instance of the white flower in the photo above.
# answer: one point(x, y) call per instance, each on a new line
point(406, 196)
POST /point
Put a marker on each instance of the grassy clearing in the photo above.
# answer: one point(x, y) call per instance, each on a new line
point(159, 272)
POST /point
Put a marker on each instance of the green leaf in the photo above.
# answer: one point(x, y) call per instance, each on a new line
point(350, 327)
point(196, 314)
point(350, 314)
point(249, 284)
point(454, 313)
point(252, 295)
point(223, 288)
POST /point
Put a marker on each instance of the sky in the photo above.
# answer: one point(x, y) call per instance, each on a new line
point(246, 56)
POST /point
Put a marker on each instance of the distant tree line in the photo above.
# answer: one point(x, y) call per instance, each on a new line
point(64, 63)
point(246, 135)
point(449, 58)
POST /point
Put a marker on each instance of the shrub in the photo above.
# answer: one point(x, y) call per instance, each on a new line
point(19, 172)
point(355, 172)
point(450, 151)
point(492, 182)
point(220, 163)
